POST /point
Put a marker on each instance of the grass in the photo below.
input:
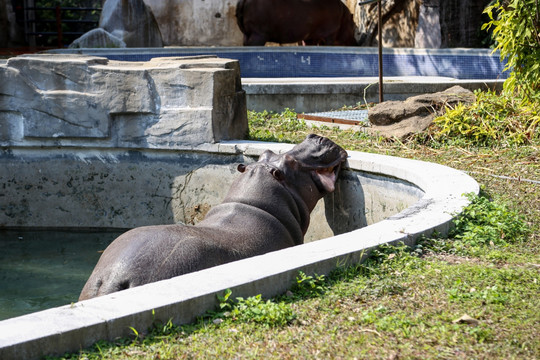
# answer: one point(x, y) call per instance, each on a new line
point(474, 295)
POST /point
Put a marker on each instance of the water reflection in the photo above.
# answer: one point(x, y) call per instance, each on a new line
point(43, 269)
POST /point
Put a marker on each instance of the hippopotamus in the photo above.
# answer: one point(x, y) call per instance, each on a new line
point(266, 209)
point(312, 22)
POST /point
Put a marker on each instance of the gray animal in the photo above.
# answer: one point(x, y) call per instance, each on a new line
point(266, 209)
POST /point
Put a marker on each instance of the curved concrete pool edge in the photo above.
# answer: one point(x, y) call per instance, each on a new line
point(182, 299)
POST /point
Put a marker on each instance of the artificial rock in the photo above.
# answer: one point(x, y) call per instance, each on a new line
point(164, 102)
point(402, 118)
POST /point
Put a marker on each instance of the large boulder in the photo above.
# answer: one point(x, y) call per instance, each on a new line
point(131, 21)
point(98, 38)
point(403, 118)
point(161, 103)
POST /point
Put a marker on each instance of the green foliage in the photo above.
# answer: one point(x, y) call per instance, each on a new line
point(492, 120)
point(308, 286)
point(482, 225)
point(269, 313)
point(255, 309)
point(486, 222)
point(388, 258)
point(265, 126)
point(516, 29)
point(492, 294)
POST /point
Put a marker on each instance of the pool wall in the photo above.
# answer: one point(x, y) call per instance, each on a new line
point(108, 189)
point(329, 61)
point(182, 299)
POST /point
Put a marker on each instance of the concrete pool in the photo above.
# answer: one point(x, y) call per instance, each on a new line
point(130, 166)
point(434, 193)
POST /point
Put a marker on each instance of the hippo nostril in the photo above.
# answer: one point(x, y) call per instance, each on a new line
point(241, 168)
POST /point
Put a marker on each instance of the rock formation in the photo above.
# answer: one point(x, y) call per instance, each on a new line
point(170, 102)
point(402, 118)
point(428, 32)
point(461, 22)
point(98, 38)
point(123, 23)
point(400, 18)
point(131, 21)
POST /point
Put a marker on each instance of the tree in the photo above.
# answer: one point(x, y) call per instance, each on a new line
point(516, 30)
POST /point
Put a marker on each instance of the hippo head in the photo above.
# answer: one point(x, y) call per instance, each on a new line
point(309, 170)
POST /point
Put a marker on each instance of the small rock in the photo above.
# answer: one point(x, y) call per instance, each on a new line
point(402, 118)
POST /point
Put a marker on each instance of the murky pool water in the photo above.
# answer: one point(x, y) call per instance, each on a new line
point(44, 269)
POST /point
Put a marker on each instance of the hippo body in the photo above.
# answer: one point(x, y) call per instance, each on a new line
point(266, 209)
point(313, 22)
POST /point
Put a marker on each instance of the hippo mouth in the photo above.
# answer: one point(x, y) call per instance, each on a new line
point(325, 178)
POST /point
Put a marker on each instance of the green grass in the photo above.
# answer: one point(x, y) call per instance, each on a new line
point(402, 302)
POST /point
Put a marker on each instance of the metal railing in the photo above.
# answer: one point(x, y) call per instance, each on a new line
point(43, 23)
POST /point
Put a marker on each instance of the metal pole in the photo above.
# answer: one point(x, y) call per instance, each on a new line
point(381, 97)
point(59, 26)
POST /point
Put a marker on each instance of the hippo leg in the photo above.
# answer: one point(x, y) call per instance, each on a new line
point(254, 39)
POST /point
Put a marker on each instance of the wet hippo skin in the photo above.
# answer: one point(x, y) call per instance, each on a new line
point(266, 209)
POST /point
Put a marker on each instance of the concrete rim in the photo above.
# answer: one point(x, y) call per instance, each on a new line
point(79, 325)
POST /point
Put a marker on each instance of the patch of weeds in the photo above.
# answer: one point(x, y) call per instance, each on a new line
point(266, 126)
point(269, 313)
point(253, 309)
point(389, 259)
point(488, 223)
point(492, 120)
point(482, 224)
point(489, 295)
point(308, 286)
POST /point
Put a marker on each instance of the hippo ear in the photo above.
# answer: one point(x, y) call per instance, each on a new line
point(267, 156)
point(241, 168)
point(287, 163)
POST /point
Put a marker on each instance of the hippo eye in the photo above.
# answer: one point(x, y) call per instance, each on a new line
point(241, 168)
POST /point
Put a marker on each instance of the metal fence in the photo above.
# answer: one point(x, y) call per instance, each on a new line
point(55, 26)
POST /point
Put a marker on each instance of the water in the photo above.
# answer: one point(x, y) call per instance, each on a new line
point(44, 269)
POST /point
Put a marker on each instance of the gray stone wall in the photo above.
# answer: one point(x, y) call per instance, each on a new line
point(164, 102)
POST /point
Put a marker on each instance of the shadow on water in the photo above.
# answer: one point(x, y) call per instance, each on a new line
point(44, 269)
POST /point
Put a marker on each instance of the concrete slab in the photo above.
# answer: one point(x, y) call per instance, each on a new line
point(305, 95)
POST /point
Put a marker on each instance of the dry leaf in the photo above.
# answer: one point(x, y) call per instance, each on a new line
point(466, 319)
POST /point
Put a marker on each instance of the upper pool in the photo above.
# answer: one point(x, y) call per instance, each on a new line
point(320, 61)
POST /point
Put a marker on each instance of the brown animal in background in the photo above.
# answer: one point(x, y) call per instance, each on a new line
point(313, 22)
